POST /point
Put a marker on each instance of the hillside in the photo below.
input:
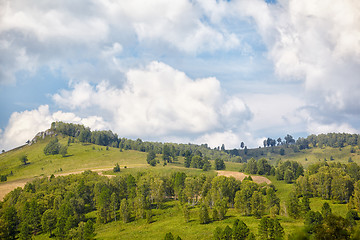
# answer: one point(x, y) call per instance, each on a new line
point(167, 216)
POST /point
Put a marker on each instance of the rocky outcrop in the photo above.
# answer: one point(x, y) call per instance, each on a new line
point(42, 135)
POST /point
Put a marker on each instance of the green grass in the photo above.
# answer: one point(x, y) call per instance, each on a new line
point(315, 155)
point(170, 219)
point(80, 157)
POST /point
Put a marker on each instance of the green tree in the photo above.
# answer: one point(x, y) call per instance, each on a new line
point(218, 233)
point(151, 158)
point(116, 168)
point(305, 205)
point(252, 166)
point(24, 159)
point(325, 210)
point(204, 214)
point(63, 150)
point(8, 223)
point(293, 206)
point(240, 230)
point(333, 227)
point(270, 229)
point(89, 230)
point(186, 212)
point(124, 211)
point(169, 236)
point(48, 220)
point(227, 233)
point(53, 147)
point(114, 205)
point(219, 164)
point(257, 204)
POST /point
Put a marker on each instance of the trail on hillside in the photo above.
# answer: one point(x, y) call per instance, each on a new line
point(240, 176)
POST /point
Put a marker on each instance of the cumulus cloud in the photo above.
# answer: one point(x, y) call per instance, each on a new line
point(25, 125)
point(317, 43)
point(158, 100)
point(51, 33)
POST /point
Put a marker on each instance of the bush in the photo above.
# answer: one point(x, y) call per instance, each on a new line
point(116, 168)
point(3, 178)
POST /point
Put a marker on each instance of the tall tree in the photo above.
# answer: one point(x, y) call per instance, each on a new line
point(48, 220)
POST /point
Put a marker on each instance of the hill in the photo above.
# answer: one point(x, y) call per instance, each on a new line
point(100, 151)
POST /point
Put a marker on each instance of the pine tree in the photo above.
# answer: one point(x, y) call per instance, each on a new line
point(240, 230)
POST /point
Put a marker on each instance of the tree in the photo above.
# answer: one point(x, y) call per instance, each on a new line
point(151, 158)
point(333, 227)
point(124, 211)
point(53, 147)
point(240, 230)
point(157, 191)
point(252, 166)
point(24, 159)
point(227, 233)
point(257, 204)
point(89, 230)
point(116, 168)
point(48, 220)
point(206, 167)
point(325, 210)
point(272, 202)
point(223, 147)
point(293, 206)
point(218, 233)
point(8, 223)
point(270, 229)
point(114, 205)
point(169, 236)
point(242, 144)
point(305, 205)
point(63, 150)
point(219, 164)
point(186, 212)
point(204, 214)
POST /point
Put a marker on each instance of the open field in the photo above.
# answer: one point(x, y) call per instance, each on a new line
point(240, 176)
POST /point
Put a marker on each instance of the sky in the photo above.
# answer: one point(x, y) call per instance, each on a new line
point(185, 71)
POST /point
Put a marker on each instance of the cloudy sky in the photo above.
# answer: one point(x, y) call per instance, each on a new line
point(200, 71)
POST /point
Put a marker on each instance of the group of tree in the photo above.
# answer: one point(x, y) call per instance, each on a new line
point(325, 225)
point(54, 147)
point(288, 171)
point(170, 151)
point(333, 181)
point(58, 205)
point(261, 167)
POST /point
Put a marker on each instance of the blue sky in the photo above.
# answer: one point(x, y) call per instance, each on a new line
point(216, 72)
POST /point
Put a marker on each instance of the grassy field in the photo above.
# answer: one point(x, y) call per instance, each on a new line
point(315, 155)
point(80, 157)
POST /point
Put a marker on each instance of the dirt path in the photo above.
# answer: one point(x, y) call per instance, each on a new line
point(240, 176)
point(7, 187)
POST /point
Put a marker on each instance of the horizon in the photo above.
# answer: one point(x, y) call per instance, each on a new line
point(214, 72)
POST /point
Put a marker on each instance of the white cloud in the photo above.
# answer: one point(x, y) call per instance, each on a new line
point(317, 128)
point(228, 138)
point(25, 125)
point(318, 43)
point(159, 100)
